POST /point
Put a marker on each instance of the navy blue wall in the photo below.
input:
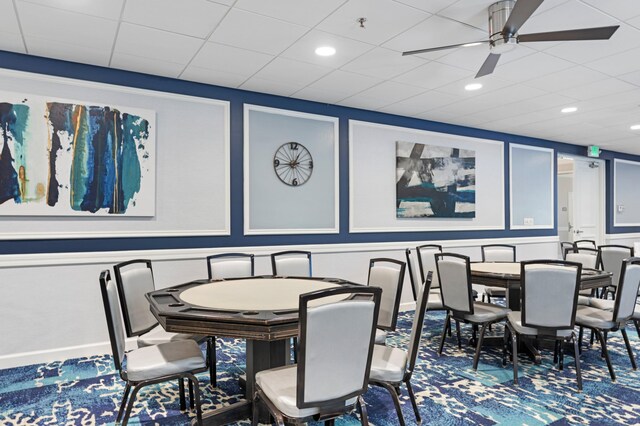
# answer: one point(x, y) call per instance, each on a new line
point(238, 98)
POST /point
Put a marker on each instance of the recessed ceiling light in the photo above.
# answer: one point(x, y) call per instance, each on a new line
point(635, 127)
point(473, 86)
point(568, 109)
point(325, 51)
point(472, 44)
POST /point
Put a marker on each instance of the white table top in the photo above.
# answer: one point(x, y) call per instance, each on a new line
point(261, 294)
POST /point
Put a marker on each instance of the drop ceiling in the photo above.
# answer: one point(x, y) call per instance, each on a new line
point(268, 46)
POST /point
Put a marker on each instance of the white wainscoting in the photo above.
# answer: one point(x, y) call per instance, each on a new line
point(631, 240)
point(52, 308)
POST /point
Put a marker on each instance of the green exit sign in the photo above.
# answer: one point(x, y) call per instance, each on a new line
point(593, 151)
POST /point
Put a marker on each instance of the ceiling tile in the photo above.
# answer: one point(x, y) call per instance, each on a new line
point(150, 43)
point(385, 19)
point(632, 77)
point(12, 42)
point(66, 27)
point(471, 58)
point(8, 18)
point(280, 88)
point(471, 12)
point(621, 63)
point(433, 75)
point(567, 78)
point(597, 89)
point(196, 18)
point(531, 66)
point(621, 9)
point(292, 73)
point(382, 63)
point(109, 9)
point(225, 2)
point(227, 59)
point(490, 84)
point(337, 86)
point(145, 65)
point(431, 6)
point(434, 32)
point(421, 103)
point(68, 52)
point(570, 15)
point(346, 49)
point(251, 31)
point(308, 13)
point(211, 76)
point(381, 95)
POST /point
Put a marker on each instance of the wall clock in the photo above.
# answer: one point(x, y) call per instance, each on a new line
point(293, 163)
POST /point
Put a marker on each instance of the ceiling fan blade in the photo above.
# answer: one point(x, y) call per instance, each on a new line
point(519, 15)
point(599, 33)
point(489, 65)
point(435, 49)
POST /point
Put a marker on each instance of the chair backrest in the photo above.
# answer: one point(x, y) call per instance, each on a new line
point(388, 274)
point(291, 263)
point(114, 317)
point(627, 292)
point(413, 280)
point(587, 257)
point(611, 257)
point(566, 246)
point(230, 265)
point(135, 279)
point(427, 262)
point(549, 290)
point(418, 320)
point(454, 273)
point(585, 244)
point(326, 376)
point(498, 253)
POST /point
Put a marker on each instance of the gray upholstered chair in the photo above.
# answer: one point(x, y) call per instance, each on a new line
point(291, 263)
point(611, 258)
point(588, 258)
point(388, 274)
point(426, 263)
point(230, 265)
point(566, 246)
point(390, 367)
point(327, 382)
point(454, 272)
point(604, 316)
point(585, 244)
point(497, 253)
point(549, 290)
point(150, 364)
point(134, 280)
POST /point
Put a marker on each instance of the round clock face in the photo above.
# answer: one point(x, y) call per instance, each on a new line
point(293, 164)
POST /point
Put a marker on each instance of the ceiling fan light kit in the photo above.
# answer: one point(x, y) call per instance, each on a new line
point(505, 19)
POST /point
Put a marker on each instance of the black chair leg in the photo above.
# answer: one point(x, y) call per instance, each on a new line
point(504, 345)
point(458, 333)
point(183, 403)
point(255, 409)
point(414, 403)
point(127, 389)
point(191, 402)
point(637, 324)
point(447, 323)
point(576, 356)
point(555, 352)
point(561, 358)
point(476, 357)
point(364, 417)
point(396, 401)
point(211, 360)
point(603, 343)
point(193, 382)
point(514, 351)
point(629, 350)
point(132, 399)
point(580, 334)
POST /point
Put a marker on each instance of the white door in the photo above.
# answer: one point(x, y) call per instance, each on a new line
point(588, 201)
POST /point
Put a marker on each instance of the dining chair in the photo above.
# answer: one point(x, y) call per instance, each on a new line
point(454, 272)
point(388, 274)
point(230, 265)
point(336, 347)
point(291, 263)
point(611, 257)
point(390, 367)
point(549, 291)
point(497, 253)
point(604, 316)
point(426, 263)
point(134, 279)
point(585, 244)
point(566, 246)
point(588, 258)
point(149, 364)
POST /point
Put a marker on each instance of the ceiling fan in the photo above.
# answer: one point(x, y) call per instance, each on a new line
point(505, 19)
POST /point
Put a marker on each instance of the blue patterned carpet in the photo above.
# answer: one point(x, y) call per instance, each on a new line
point(86, 391)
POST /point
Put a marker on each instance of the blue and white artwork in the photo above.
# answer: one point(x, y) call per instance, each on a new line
point(435, 181)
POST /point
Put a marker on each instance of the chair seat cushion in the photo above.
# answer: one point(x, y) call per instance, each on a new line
point(152, 362)
point(381, 337)
point(486, 312)
point(495, 291)
point(158, 335)
point(593, 317)
point(594, 302)
point(388, 364)
point(279, 385)
point(515, 319)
